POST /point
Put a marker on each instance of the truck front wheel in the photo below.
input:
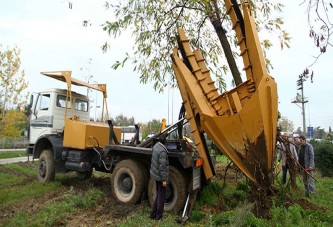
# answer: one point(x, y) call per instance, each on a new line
point(46, 170)
point(175, 191)
point(127, 182)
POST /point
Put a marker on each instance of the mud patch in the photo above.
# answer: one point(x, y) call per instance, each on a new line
point(107, 212)
point(229, 174)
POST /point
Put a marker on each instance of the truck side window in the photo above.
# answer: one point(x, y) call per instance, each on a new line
point(81, 105)
point(45, 102)
point(61, 101)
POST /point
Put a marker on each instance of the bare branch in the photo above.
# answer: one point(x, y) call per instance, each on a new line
point(199, 28)
point(320, 25)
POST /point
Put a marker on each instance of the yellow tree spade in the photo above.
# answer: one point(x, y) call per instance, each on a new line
point(12, 97)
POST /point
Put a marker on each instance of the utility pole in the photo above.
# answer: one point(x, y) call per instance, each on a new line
point(300, 97)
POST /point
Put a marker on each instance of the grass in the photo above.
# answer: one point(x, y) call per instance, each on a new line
point(12, 154)
point(222, 159)
point(141, 218)
point(7, 179)
point(19, 192)
point(29, 169)
point(215, 205)
point(239, 210)
point(20, 182)
point(324, 191)
point(57, 211)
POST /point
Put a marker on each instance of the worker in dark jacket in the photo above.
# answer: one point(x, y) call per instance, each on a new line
point(159, 171)
point(306, 160)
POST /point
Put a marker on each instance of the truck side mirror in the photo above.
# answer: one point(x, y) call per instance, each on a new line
point(28, 110)
point(33, 103)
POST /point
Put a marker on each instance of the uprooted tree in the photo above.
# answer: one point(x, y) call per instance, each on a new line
point(154, 24)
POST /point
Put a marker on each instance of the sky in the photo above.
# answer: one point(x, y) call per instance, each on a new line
point(51, 38)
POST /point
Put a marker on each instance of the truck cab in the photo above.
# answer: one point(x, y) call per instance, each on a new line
point(48, 112)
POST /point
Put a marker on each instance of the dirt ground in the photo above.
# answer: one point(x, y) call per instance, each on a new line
point(107, 211)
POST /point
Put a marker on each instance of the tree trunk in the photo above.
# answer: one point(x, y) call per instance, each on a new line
point(292, 173)
point(227, 50)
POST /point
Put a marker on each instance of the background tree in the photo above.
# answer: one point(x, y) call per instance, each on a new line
point(145, 130)
point(12, 97)
point(319, 133)
point(154, 24)
point(154, 126)
point(14, 123)
point(286, 125)
point(299, 131)
point(329, 137)
point(324, 157)
point(121, 120)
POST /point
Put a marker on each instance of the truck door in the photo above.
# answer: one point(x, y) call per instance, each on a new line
point(41, 120)
point(59, 111)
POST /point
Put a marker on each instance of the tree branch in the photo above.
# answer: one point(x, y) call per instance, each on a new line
point(183, 7)
point(199, 29)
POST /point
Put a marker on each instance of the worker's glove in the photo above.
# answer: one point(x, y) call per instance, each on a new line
point(278, 165)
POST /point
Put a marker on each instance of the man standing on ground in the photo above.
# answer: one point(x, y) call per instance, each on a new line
point(306, 160)
point(159, 171)
point(289, 158)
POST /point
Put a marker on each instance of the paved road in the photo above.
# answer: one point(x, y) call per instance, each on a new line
point(18, 149)
point(15, 160)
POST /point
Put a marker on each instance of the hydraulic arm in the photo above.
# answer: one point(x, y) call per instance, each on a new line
point(242, 122)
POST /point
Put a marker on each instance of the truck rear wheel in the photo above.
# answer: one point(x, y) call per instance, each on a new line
point(145, 175)
point(175, 191)
point(46, 170)
point(127, 182)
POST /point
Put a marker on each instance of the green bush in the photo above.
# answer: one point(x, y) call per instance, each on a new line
point(197, 216)
point(252, 221)
point(243, 185)
point(209, 194)
point(324, 158)
point(232, 197)
point(224, 218)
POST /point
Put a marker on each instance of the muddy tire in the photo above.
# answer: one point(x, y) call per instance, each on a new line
point(46, 171)
point(84, 175)
point(175, 191)
point(127, 182)
point(145, 175)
